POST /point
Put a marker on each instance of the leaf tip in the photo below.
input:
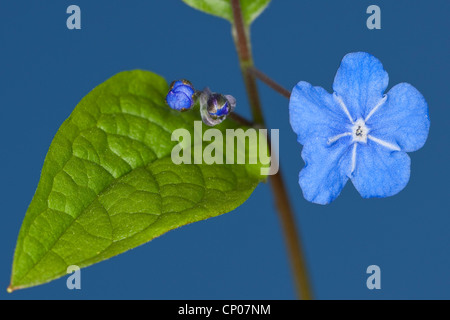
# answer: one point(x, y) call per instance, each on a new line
point(9, 289)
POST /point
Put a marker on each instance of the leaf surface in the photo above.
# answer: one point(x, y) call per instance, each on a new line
point(108, 183)
point(251, 9)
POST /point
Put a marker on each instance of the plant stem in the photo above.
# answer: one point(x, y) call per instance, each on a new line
point(271, 83)
point(240, 119)
point(242, 43)
point(298, 264)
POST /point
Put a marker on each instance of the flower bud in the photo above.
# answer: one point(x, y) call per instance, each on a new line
point(181, 95)
point(215, 107)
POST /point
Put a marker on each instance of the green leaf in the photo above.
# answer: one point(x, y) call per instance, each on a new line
point(251, 9)
point(108, 183)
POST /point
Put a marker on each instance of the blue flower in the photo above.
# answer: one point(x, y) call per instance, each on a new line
point(358, 132)
point(181, 95)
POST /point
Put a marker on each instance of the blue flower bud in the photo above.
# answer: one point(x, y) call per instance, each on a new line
point(218, 106)
point(181, 95)
point(215, 107)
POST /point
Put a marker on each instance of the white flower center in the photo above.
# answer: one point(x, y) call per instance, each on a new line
point(360, 131)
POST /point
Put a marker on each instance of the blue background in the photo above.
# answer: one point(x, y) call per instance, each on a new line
point(46, 69)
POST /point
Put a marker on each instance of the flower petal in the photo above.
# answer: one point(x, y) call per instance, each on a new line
point(188, 91)
point(314, 113)
point(327, 168)
point(360, 82)
point(178, 100)
point(403, 120)
point(380, 172)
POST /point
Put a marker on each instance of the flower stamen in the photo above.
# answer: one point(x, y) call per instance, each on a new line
point(360, 131)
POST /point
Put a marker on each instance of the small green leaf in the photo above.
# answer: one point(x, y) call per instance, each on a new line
point(108, 183)
point(251, 9)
